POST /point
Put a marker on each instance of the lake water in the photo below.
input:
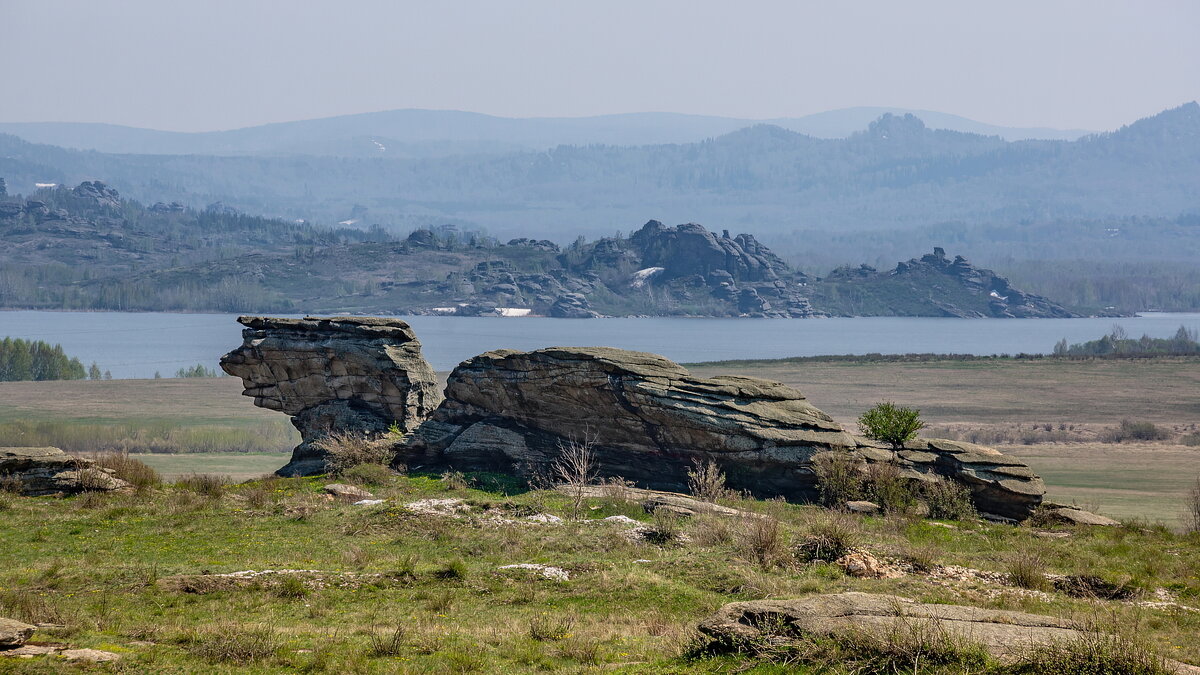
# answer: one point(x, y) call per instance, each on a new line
point(134, 345)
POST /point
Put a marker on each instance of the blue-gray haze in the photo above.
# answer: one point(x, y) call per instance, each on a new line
point(220, 64)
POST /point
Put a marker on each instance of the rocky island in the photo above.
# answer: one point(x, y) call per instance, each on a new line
point(106, 252)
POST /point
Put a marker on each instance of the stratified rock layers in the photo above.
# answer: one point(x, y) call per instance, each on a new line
point(649, 420)
point(343, 374)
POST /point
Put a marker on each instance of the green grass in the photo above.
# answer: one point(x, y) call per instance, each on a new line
point(159, 416)
point(103, 566)
point(236, 466)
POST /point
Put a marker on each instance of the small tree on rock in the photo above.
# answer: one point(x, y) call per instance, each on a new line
point(890, 423)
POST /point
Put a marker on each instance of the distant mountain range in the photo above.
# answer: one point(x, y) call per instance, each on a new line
point(897, 173)
point(437, 133)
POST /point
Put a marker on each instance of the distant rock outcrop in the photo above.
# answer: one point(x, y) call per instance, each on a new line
point(932, 285)
point(334, 374)
point(648, 420)
point(37, 472)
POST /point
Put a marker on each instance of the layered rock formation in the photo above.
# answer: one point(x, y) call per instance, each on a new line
point(334, 374)
point(37, 472)
point(649, 420)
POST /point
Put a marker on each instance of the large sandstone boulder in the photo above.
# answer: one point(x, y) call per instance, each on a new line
point(36, 472)
point(649, 420)
point(1006, 635)
point(344, 374)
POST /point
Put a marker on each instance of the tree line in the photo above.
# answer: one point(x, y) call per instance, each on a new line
point(37, 360)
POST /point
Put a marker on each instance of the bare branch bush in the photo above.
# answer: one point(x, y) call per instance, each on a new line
point(706, 481)
point(575, 468)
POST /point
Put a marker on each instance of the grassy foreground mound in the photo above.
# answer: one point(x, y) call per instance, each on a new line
point(272, 576)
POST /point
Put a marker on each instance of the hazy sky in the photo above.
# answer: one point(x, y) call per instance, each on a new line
point(208, 64)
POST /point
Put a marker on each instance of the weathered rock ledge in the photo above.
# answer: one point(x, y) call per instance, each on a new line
point(649, 420)
point(348, 374)
point(37, 472)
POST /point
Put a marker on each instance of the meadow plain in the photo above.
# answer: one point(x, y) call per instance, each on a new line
point(203, 575)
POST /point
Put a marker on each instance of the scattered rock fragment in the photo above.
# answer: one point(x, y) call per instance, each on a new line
point(1074, 516)
point(14, 633)
point(350, 493)
point(864, 507)
point(861, 564)
point(546, 571)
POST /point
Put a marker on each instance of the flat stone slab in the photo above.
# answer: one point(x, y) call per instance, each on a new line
point(1004, 634)
point(1075, 516)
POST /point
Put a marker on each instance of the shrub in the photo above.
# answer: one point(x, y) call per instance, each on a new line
point(575, 467)
point(455, 569)
point(367, 474)
point(234, 643)
point(829, 540)
point(948, 500)
point(890, 423)
point(454, 480)
point(887, 486)
point(291, 587)
point(10, 484)
point(665, 529)
point(204, 484)
point(1192, 514)
point(1093, 653)
point(551, 628)
point(763, 541)
point(911, 643)
point(387, 643)
point(133, 471)
point(1134, 431)
point(1027, 570)
point(1191, 440)
point(344, 450)
point(839, 477)
point(706, 481)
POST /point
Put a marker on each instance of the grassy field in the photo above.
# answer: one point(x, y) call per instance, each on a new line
point(167, 415)
point(234, 466)
point(388, 589)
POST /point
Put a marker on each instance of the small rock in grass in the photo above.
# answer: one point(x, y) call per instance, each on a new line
point(1079, 517)
point(862, 507)
point(89, 655)
point(369, 502)
point(546, 571)
point(347, 492)
point(866, 566)
point(14, 633)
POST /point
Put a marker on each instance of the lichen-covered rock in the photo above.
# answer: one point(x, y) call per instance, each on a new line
point(37, 472)
point(1006, 635)
point(649, 420)
point(347, 374)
